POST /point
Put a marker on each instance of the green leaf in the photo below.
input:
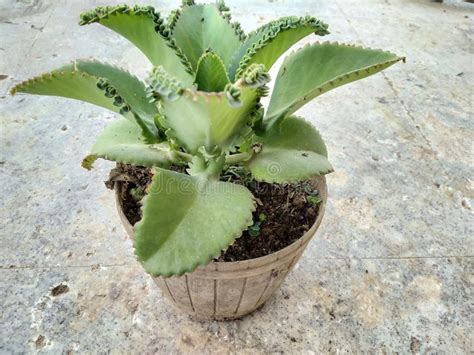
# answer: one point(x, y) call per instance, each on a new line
point(314, 199)
point(211, 75)
point(206, 119)
point(67, 83)
point(291, 152)
point(254, 230)
point(207, 168)
point(99, 84)
point(127, 85)
point(201, 27)
point(318, 68)
point(144, 27)
point(121, 141)
point(266, 44)
point(187, 221)
point(197, 118)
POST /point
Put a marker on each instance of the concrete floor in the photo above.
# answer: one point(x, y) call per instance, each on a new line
point(391, 268)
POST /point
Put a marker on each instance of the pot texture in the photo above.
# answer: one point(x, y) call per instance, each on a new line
point(230, 290)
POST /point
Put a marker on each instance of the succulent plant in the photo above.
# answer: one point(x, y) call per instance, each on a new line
point(200, 109)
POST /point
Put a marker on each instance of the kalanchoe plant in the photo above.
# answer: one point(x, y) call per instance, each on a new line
point(201, 109)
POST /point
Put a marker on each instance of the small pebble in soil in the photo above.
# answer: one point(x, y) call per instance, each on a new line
point(40, 342)
point(59, 290)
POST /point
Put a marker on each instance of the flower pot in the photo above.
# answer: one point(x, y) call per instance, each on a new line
point(230, 290)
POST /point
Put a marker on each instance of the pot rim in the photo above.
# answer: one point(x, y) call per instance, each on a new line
point(222, 266)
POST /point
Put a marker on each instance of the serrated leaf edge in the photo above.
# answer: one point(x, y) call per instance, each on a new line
point(206, 55)
point(330, 84)
point(208, 258)
point(271, 30)
point(103, 12)
point(291, 181)
point(224, 11)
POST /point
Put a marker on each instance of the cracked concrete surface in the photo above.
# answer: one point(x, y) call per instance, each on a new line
point(390, 270)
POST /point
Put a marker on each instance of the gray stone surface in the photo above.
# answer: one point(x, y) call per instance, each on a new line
point(391, 268)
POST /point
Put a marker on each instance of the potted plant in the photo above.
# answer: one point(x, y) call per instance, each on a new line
point(195, 146)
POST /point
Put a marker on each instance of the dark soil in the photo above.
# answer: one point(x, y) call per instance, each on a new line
point(282, 216)
point(133, 178)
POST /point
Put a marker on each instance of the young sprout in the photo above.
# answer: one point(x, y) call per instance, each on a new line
point(254, 229)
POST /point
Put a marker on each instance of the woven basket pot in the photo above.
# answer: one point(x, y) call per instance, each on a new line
point(230, 290)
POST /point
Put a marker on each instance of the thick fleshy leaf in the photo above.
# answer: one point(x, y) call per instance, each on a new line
point(292, 151)
point(127, 85)
point(266, 44)
point(122, 141)
point(206, 119)
point(99, 84)
point(211, 75)
point(197, 118)
point(144, 27)
point(318, 68)
point(200, 27)
point(187, 221)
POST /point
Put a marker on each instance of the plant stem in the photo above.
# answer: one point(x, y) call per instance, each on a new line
point(184, 156)
point(229, 159)
point(237, 158)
